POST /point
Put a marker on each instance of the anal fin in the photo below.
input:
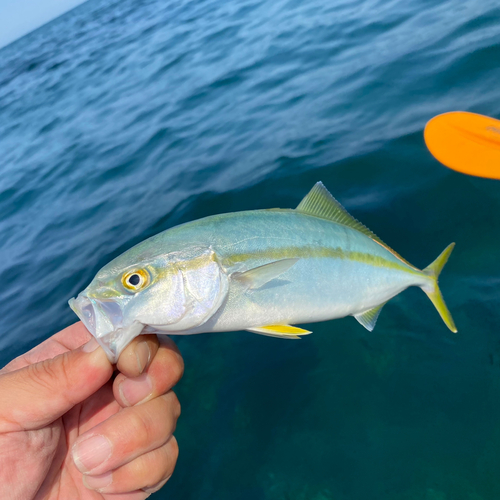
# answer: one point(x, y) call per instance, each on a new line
point(369, 318)
point(280, 331)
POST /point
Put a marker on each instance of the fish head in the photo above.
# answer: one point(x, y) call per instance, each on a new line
point(172, 293)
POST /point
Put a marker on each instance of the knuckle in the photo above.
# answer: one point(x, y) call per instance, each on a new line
point(156, 467)
point(174, 406)
point(175, 449)
point(147, 470)
point(140, 427)
point(170, 453)
point(52, 373)
point(43, 374)
point(176, 366)
point(162, 469)
point(177, 407)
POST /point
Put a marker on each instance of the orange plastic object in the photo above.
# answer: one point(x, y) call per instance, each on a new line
point(466, 142)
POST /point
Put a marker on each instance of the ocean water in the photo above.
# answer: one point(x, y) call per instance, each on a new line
point(123, 118)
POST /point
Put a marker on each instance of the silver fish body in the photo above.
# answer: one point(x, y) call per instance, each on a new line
point(261, 270)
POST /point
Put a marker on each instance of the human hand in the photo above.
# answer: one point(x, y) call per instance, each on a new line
point(69, 431)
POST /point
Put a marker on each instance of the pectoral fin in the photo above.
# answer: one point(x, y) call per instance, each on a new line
point(259, 276)
point(280, 331)
point(369, 318)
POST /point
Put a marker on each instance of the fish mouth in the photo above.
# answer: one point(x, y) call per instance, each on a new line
point(104, 320)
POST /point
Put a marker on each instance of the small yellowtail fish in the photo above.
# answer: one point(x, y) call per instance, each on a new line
point(260, 270)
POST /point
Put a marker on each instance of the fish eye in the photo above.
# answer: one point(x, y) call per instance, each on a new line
point(135, 280)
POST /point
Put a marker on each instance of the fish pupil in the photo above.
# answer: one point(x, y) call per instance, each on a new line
point(134, 280)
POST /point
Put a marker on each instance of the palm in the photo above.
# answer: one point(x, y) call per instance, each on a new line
point(67, 479)
point(63, 480)
point(47, 451)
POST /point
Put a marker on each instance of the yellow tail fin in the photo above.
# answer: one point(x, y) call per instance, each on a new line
point(433, 291)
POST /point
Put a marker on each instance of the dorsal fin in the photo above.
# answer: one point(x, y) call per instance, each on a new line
point(320, 203)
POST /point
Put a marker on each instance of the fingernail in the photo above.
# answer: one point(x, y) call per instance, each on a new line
point(98, 482)
point(90, 346)
point(143, 355)
point(91, 452)
point(135, 390)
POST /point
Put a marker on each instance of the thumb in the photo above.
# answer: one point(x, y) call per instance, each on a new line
point(38, 394)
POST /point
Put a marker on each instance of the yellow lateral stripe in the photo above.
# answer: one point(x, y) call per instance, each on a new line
point(318, 252)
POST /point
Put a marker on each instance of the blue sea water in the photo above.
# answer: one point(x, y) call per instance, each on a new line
point(123, 118)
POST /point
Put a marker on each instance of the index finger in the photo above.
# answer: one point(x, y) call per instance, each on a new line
point(72, 337)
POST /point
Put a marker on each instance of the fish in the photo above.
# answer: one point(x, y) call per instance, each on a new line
point(264, 271)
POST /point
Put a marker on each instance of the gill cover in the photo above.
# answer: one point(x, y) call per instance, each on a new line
point(201, 285)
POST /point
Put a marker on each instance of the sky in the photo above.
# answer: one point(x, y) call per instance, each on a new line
point(19, 17)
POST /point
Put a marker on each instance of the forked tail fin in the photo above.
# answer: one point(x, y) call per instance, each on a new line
point(432, 289)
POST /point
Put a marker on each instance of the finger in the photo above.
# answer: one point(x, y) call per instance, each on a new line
point(164, 371)
point(72, 337)
point(46, 390)
point(148, 472)
point(127, 435)
point(136, 357)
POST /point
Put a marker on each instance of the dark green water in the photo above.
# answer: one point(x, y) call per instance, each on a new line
point(121, 119)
